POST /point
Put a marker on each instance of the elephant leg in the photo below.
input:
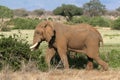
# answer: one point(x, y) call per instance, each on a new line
point(63, 56)
point(94, 55)
point(93, 52)
point(89, 64)
point(102, 63)
point(49, 54)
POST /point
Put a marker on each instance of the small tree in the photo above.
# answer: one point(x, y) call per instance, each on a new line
point(94, 8)
point(68, 11)
point(5, 12)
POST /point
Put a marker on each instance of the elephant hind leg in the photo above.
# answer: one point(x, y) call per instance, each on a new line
point(99, 61)
point(93, 53)
point(102, 63)
point(97, 58)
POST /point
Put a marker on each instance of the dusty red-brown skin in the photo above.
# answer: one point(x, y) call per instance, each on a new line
point(77, 38)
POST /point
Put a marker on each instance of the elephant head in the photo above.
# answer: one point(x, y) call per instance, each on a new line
point(43, 32)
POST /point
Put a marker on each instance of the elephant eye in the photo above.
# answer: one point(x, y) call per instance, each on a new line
point(37, 32)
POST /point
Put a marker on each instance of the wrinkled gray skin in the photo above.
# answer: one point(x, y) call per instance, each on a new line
point(77, 38)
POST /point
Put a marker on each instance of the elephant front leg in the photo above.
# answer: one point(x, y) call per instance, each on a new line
point(49, 54)
point(63, 55)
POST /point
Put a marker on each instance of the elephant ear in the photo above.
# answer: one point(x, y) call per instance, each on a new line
point(49, 31)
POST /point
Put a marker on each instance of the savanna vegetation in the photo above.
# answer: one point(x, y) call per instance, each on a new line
point(15, 51)
point(14, 48)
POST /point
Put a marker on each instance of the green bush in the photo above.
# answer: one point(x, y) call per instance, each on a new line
point(81, 19)
point(99, 21)
point(116, 24)
point(39, 58)
point(22, 23)
point(14, 51)
point(95, 21)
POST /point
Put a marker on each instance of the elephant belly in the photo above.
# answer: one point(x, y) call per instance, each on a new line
point(77, 40)
point(76, 45)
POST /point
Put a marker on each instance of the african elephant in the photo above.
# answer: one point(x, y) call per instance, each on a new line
point(61, 37)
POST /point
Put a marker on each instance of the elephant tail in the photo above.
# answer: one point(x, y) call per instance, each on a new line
point(101, 41)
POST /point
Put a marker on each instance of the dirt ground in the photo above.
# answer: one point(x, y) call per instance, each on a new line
point(71, 74)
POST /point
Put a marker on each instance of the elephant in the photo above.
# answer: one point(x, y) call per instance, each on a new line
point(62, 38)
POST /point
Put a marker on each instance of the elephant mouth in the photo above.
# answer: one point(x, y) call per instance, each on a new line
point(35, 46)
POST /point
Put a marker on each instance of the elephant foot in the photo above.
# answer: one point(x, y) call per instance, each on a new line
point(89, 66)
point(105, 68)
point(66, 67)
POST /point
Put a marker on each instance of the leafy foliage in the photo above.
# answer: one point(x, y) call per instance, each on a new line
point(68, 11)
point(81, 19)
point(13, 50)
point(95, 21)
point(116, 24)
point(5, 12)
point(99, 21)
point(21, 23)
point(38, 57)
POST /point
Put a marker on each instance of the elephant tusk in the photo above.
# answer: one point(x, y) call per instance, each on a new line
point(34, 45)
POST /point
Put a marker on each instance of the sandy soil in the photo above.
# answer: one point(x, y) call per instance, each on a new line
point(61, 75)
